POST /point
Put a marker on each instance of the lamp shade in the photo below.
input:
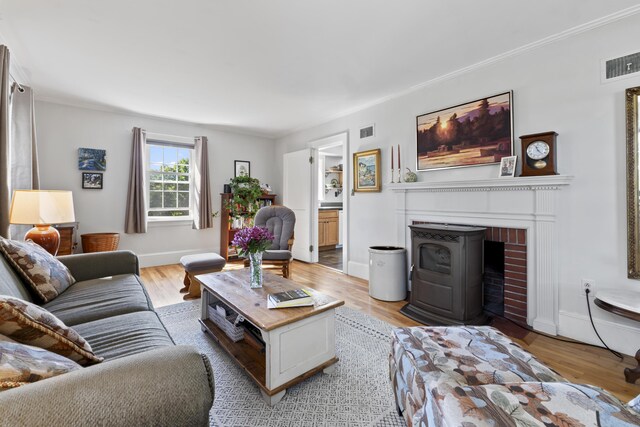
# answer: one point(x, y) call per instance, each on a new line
point(33, 207)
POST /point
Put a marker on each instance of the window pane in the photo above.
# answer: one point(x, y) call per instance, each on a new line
point(170, 155)
point(169, 200)
point(155, 201)
point(183, 178)
point(156, 186)
point(183, 200)
point(155, 177)
point(155, 154)
point(169, 177)
point(183, 168)
point(183, 187)
point(183, 155)
point(156, 167)
point(169, 186)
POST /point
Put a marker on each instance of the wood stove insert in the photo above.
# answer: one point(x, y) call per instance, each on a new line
point(446, 275)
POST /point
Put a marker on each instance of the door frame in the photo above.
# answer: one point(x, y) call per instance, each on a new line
point(328, 141)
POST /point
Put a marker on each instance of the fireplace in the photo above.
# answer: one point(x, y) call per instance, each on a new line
point(446, 275)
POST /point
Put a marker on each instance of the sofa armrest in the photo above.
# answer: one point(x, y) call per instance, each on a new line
point(172, 386)
point(101, 264)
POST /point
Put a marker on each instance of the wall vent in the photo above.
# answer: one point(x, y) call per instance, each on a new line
point(366, 132)
point(623, 66)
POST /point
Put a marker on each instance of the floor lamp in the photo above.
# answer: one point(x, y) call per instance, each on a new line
point(42, 208)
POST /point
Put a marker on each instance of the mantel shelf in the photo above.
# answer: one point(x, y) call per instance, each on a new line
point(552, 182)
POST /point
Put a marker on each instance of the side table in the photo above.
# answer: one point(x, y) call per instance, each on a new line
point(625, 304)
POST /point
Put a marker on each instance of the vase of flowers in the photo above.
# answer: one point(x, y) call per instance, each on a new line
point(252, 242)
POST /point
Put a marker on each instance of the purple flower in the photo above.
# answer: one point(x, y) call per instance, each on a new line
point(252, 240)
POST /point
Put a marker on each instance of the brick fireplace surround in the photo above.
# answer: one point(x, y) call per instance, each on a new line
point(521, 212)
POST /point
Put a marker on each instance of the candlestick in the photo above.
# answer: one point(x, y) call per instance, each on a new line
point(392, 165)
point(398, 156)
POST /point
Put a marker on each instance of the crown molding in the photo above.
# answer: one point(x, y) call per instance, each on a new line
point(582, 28)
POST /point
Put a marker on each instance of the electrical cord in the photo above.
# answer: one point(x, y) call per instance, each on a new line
point(615, 353)
point(529, 329)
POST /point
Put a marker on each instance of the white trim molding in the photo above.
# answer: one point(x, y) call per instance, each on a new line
point(529, 203)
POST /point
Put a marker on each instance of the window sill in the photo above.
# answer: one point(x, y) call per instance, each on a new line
point(169, 222)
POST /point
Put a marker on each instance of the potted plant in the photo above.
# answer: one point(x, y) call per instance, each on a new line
point(244, 199)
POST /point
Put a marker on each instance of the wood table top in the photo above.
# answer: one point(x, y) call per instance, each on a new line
point(232, 287)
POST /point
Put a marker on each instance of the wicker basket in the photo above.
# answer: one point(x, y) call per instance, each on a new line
point(100, 242)
point(227, 324)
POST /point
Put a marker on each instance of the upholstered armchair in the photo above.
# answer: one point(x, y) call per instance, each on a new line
point(280, 221)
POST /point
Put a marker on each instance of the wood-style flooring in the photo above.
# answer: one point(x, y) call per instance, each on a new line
point(578, 363)
point(331, 258)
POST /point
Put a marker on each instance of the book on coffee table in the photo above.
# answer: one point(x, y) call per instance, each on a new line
point(295, 298)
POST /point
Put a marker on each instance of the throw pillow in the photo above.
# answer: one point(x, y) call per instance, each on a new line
point(29, 324)
point(22, 364)
point(635, 404)
point(40, 270)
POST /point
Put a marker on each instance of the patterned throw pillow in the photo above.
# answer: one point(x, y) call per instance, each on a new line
point(635, 404)
point(46, 276)
point(29, 324)
point(22, 364)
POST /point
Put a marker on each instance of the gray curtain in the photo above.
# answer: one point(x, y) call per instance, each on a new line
point(202, 214)
point(24, 150)
point(5, 165)
point(136, 216)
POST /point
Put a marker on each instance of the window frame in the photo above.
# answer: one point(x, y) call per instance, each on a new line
point(160, 140)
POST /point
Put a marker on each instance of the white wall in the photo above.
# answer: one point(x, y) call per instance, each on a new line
point(556, 87)
point(63, 129)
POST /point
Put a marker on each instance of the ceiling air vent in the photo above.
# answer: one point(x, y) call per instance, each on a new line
point(366, 132)
point(616, 68)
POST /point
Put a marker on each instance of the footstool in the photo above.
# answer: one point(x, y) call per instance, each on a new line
point(209, 262)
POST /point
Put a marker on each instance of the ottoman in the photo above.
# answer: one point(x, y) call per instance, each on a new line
point(424, 359)
point(209, 262)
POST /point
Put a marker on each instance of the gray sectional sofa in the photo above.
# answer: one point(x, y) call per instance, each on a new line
point(145, 379)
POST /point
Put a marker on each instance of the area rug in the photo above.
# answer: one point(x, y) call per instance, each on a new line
point(357, 393)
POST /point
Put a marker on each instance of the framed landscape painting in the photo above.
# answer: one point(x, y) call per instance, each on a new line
point(366, 171)
point(91, 159)
point(472, 134)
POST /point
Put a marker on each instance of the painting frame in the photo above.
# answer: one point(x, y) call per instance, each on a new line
point(238, 166)
point(92, 159)
point(508, 167)
point(92, 180)
point(365, 164)
point(463, 141)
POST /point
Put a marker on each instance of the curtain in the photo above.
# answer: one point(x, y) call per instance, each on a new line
point(202, 214)
point(5, 165)
point(23, 150)
point(136, 216)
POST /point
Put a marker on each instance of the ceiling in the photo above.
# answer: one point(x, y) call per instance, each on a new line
point(265, 67)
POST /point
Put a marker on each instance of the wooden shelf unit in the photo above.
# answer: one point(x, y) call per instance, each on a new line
point(226, 232)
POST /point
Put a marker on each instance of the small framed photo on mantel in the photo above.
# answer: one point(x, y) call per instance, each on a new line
point(92, 180)
point(508, 167)
point(242, 168)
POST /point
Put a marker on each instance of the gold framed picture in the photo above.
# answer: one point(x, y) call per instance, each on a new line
point(366, 171)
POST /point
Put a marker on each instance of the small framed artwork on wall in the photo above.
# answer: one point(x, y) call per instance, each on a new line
point(366, 171)
point(91, 159)
point(92, 180)
point(242, 168)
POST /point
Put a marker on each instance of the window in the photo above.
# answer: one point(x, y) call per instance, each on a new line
point(169, 178)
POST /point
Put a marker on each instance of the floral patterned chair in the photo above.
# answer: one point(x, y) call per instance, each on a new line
point(477, 376)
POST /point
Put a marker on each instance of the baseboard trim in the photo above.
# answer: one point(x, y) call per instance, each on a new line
point(619, 336)
point(164, 258)
point(359, 270)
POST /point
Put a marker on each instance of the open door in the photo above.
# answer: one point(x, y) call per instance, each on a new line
point(297, 197)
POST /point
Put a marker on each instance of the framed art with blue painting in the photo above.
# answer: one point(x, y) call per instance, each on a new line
point(92, 159)
point(366, 171)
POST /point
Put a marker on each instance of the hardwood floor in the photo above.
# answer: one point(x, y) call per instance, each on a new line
point(578, 363)
point(331, 258)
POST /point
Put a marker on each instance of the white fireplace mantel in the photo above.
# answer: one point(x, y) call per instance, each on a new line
point(529, 203)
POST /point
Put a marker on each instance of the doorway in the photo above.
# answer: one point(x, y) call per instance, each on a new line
point(330, 185)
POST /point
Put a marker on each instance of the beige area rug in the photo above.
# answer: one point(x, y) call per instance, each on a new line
point(357, 393)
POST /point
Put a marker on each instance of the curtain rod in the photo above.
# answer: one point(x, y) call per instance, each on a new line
point(20, 88)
